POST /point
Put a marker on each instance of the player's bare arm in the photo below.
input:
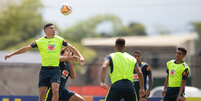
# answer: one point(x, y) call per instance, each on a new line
point(141, 81)
point(66, 58)
point(165, 86)
point(74, 50)
point(103, 72)
point(180, 98)
point(19, 51)
point(72, 71)
point(150, 85)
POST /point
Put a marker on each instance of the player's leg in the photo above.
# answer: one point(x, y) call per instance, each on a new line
point(42, 92)
point(129, 94)
point(114, 94)
point(55, 91)
point(42, 84)
point(76, 97)
point(48, 96)
point(55, 82)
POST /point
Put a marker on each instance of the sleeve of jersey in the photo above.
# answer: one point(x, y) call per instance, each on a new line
point(65, 43)
point(148, 70)
point(33, 45)
point(185, 74)
point(167, 71)
point(108, 58)
point(136, 64)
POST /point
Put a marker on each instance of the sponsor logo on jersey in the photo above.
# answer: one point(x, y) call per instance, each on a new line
point(172, 72)
point(51, 47)
point(65, 74)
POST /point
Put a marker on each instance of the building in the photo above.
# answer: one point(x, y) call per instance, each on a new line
point(157, 50)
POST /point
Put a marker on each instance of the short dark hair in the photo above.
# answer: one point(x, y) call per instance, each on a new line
point(120, 43)
point(183, 50)
point(47, 25)
point(138, 52)
point(63, 50)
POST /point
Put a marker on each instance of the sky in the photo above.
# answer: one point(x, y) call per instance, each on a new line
point(172, 15)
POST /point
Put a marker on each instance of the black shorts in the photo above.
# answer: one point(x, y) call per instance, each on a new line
point(116, 94)
point(172, 94)
point(48, 75)
point(64, 94)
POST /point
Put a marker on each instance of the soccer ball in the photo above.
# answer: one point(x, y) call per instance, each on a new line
point(66, 9)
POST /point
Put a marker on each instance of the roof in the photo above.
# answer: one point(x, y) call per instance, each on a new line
point(28, 57)
point(162, 40)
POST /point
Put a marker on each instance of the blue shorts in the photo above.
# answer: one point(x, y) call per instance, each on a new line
point(64, 94)
point(48, 75)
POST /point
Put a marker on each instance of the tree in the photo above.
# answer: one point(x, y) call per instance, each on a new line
point(87, 28)
point(134, 29)
point(197, 28)
point(20, 22)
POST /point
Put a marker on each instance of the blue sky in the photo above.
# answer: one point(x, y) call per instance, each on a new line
point(172, 15)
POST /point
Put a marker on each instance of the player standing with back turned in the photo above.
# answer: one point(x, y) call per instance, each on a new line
point(121, 66)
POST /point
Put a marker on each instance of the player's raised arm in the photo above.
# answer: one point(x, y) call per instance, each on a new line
point(19, 51)
point(74, 50)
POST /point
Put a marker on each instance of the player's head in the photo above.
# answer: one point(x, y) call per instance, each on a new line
point(181, 53)
point(138, 55)
point(49, 29)
point(120, 44)
point(66, 52)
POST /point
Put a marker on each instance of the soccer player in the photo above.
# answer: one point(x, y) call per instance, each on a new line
point(146, 71)
point(49, 47)
point(66, 70)
point(177, 73)
point(121, 66)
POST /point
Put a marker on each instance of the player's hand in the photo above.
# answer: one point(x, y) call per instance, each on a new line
point(75, 58)
point(103, 85)
point(82, 61)
point(180, 98)
point(7, 56)
point(141, 92)
point(147, 93)
point(163, 93)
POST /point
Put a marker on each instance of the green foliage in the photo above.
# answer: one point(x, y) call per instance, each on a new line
point(19, 22)
point(197, 28)
point(87, 28)
point(134, 29)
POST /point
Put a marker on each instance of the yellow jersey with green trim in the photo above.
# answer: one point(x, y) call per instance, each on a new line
point(175, 73)
point(123, 66)
point(50, 50)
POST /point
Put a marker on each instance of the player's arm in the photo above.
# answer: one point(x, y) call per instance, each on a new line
point(72, 71)
point(66, 58)
point(141, 80)
point(19, 51)
point(103, 72)
point(74, 50)
point(150, 85)
point(165, 84)
point(184, 78)
point(148, 71)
